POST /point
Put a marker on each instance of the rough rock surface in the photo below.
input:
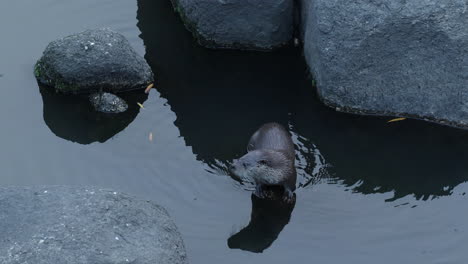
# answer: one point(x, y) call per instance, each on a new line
point(43, 225)
point(241, 24)
point(108, 103)
point(90, 61)
point(406, 58)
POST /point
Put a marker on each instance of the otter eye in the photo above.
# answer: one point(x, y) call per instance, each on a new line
point(262, 162)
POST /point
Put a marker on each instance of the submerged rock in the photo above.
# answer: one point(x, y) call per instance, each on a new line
point(241, 24)
point(74, 225)
point(74, 118)
point(108, 103)
point(406, 58)
point(90, 61)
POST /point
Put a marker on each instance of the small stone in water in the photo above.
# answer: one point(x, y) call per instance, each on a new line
point(108, 103)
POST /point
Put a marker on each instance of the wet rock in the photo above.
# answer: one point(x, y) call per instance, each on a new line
point(406, 58)
point(240, 24)
point(74, 225)
point(91, 61)
point(108, 103)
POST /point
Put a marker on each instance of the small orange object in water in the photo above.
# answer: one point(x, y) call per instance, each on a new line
point(396, 119)
point(147, 90)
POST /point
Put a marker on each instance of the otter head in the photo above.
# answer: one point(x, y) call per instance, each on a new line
point(269, 167)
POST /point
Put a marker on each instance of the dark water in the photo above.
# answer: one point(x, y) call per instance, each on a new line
point(371, 192)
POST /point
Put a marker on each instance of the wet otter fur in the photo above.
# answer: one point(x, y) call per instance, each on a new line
point(269, 161)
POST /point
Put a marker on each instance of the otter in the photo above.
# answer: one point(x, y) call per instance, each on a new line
point(269, 161)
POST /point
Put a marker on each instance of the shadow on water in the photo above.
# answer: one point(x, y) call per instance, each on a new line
point(219, 92)
point(267, 220)
point(221, 97)
point(72, 117)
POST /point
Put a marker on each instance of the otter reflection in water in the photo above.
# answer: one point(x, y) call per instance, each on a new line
point(268, 218)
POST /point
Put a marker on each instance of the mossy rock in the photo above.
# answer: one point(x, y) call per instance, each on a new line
point(91, 61)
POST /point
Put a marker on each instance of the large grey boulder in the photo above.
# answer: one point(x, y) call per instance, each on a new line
point(239, 24)
point(406, 58)
point(93, 60)
point(44, 225)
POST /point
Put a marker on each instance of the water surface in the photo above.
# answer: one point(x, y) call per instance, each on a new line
point(369, 191)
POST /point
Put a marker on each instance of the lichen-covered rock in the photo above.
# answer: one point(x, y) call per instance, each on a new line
point(406, 58)
point(240, 24)
point(108, 103)
point(90, 61)
point(66, 225)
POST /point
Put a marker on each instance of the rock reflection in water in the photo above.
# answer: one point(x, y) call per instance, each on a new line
point(221, 97)
point(72, 117)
